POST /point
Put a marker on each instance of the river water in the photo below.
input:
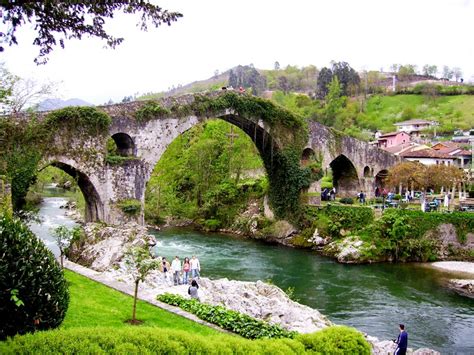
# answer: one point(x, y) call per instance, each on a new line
point(373, 298)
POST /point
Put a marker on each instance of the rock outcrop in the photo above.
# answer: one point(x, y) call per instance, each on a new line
point(463, 287)
point(263, 301)
point(104, 246)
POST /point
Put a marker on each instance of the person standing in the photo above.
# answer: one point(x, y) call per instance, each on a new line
point(186, 270)
point(165, 267)
point(402, 341)
point(193, 290)
point(446, 202)
point(195, 267)
point(176, 269)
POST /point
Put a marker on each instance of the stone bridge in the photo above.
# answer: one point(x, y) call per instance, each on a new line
point(107, 186)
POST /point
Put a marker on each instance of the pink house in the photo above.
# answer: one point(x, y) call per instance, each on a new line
point(392, 139)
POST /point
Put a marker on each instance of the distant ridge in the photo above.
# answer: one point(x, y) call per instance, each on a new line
point(54, 104)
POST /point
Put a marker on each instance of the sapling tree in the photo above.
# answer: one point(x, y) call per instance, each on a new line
point(139, 263)
point(63, 236)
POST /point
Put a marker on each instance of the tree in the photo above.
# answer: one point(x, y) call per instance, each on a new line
point(283, 84)
point(334, 102)
point(324, 78)
point(348, 77)
point(447, 72)
point(430, 70)
point(276, 66)
point(56, 21)
point(247, 76)
point(409, 174)
point(139, 264)
point(63, 236)
point(457, 72)
point(17, 94)
point(405, 71)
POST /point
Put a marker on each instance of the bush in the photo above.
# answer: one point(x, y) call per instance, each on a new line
point(234, 321)
point(346, 200)
point(34, 292)
point(142, 341)
point(130, 206)
point(212, 225)
point(335, 340)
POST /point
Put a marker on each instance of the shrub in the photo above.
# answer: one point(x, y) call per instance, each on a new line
point(212, 224)
point(130, 206)
point(237, 322)
point(346, 200)
point(142, 341)
point(34, 293)
point(335, 340)
point(89, 119)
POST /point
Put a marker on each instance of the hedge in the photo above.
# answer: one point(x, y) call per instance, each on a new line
point(237, 322)
point(147, 340)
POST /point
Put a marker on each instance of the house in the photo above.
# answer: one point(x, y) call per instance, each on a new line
point(429, 157)
point(415, 126)
point(405, 147)
point(463, 157)
point(392, 139)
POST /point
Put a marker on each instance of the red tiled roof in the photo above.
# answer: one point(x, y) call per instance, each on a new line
point(426, 153)
point(463, 153)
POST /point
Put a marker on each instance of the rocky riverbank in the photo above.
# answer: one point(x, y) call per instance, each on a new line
point(463, 272)
point(102, 249)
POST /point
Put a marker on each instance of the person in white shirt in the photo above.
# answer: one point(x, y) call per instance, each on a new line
point(176, 269)
point(195, 267)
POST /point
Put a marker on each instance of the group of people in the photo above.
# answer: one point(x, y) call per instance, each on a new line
point(182, 273)
point(328, 194)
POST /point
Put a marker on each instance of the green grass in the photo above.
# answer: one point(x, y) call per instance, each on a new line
point(453, 112)
point(95, 305)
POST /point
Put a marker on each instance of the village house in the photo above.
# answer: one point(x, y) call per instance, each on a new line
point(392, 139)
point(429, 157)
point(415, 126)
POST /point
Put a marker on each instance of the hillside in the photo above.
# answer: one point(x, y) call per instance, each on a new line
point(452, 112)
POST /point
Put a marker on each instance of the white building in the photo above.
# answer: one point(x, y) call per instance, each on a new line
point(415, 126)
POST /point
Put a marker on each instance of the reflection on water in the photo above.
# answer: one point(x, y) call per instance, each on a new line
point(373, 298)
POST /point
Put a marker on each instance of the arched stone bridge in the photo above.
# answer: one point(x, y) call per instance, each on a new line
point(106, 186)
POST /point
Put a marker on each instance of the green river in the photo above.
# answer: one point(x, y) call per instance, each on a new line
point(373, 298)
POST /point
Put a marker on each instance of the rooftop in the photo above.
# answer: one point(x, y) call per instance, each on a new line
point(391, 134)
point(426, 153)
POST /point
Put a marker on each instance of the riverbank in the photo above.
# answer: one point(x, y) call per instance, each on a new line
point(463, 283)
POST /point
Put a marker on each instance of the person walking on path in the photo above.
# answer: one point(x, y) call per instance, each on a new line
point(195, 267)
point(193, 290)
point(186, 270)
point(402, 341)
point(176, 269)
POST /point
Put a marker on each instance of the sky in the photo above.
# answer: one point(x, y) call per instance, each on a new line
point(218, 35)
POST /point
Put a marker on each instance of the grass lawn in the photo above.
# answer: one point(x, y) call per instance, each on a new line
point(95, 305)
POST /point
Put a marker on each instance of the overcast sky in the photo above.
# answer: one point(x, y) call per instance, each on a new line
point(216, 34)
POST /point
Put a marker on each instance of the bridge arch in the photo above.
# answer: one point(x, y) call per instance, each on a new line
point(345, 177)
point(367, 171)
point(125, 144)
point(380, 178)
point(94, 209)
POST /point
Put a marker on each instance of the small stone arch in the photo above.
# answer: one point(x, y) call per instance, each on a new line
point(367, 172)
point(306, 156)
point(345, 177)
point(94, 205)
point(125, 144)
point(380, 178)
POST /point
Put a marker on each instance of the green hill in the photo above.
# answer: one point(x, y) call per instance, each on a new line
point(452, 112)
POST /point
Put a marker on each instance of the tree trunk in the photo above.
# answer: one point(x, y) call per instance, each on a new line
point(135, 301)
